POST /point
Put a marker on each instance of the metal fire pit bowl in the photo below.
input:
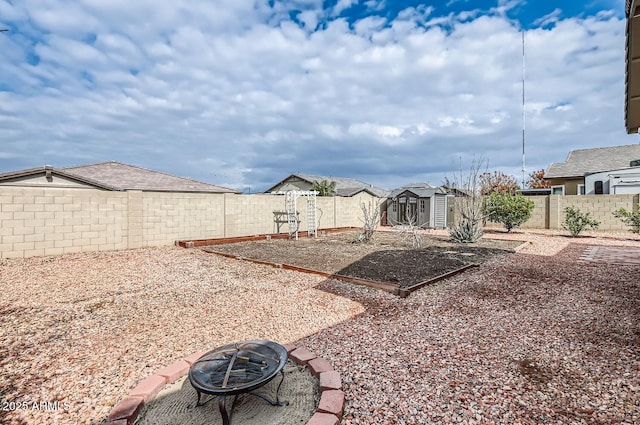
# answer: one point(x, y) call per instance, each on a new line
point(236, 369)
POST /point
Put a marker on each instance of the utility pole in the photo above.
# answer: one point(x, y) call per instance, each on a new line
point(523, 116)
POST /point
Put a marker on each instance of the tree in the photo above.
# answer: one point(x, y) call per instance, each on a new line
point(575, 221)
point(370, 221)
point(497, 182)
point(509, 210)
point(468, 204)
point(324, 187)
point(537, 181)
point(630, 218)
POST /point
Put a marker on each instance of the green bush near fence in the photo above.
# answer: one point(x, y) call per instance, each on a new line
point(507, 209)
point(575, 221)
point(630, 218)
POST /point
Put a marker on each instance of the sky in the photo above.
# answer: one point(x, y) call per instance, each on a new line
point(243, 93)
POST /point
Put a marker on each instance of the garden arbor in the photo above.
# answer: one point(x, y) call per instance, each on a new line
point(291, 207)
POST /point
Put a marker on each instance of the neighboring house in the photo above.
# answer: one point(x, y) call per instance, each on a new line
point(614, 182)
point(113, 176)
point(344, 186)
point(568, 178)
point(420, 204)
point(632, 71)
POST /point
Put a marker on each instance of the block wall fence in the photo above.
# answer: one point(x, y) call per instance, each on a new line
point(39, 222)
point(548, 212)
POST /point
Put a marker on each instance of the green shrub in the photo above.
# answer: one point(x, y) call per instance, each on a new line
point(507, 209)
point(575, 221)
point(630, 218)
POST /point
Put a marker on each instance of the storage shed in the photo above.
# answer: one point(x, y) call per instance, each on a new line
point(420, 204)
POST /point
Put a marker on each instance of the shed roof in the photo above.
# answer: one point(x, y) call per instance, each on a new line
point(584, 161)
point(422, 190)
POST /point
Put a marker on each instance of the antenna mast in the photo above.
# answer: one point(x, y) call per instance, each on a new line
point(523, 116)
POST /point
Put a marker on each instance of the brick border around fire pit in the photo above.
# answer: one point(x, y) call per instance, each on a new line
point(329, 411)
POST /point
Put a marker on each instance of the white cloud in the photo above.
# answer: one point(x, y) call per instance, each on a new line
point(234, 86)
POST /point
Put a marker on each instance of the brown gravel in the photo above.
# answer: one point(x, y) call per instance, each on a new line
point(534, 338)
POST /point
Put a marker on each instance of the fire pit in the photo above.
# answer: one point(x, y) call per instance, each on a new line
point(236, 369)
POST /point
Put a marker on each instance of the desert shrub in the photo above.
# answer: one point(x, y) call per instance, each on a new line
point(507, 209)
point(575, 221)
point(468, 231)
point(468, 204)
point(630, 218)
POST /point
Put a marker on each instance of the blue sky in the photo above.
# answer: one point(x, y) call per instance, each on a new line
point(243, 93)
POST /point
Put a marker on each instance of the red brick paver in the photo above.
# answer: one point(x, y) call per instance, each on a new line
point(330, 381)
point(320, 418)
point(302, 355)
point(126, 410)
point(148, 388)
point(319, 365)
point(611, 254)
point(332, 401)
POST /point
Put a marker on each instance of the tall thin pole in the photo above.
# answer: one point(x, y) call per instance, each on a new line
point(523, 116)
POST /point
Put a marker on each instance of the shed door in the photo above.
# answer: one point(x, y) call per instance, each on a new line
point(408, 208)
point(440, 214)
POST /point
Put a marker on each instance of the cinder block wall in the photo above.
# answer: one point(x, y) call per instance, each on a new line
point(539, 217)
point(36, 222)
point(601, 208)
point(548, 212)
point(167, 217)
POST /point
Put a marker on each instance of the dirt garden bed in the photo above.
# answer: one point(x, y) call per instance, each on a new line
point(387, 258)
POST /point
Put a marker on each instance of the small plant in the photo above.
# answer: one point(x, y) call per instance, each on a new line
point(370, 221)
point(507, 209)
point(630, 218)
point(468, 231)
point(411, 231)
point(575, 221)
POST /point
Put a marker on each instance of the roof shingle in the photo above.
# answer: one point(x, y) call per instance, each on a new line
point(585, 161)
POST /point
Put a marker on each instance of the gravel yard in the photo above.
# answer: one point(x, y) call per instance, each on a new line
point(530, 338)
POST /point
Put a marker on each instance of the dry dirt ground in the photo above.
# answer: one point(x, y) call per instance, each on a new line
point(534, 337)
point(389, 257)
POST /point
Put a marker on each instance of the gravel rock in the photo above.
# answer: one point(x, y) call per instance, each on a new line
point(536, 337)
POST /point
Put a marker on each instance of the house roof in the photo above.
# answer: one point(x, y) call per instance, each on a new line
point(585, 161)
point(422, 190)
point(344, 186)
point(121, 177)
